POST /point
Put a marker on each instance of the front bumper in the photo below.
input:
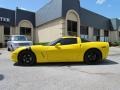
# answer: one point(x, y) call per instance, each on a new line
point(14, 57)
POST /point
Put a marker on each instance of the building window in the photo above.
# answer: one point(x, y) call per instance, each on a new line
point(102, 38)
point(6, 30)
point(119, 34)
point(96, 34)
point(84, 32)
point(72, 28)
point(106, 36)
point(25, 31)
point(106, 39)
point(6, 34)
point(106, 33)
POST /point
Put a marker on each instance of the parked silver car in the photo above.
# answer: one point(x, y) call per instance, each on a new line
point(16, 41)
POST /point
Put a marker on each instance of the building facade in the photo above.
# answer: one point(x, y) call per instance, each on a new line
point(16, 23)
point(56, 19)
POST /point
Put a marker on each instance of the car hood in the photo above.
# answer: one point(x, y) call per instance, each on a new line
point(22, 41)
point(25, 47)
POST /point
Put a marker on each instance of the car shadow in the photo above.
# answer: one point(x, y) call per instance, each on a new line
point(1, 77)
point(108, 62)
point(68, 64)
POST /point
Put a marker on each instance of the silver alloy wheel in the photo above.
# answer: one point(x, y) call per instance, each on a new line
point(26, 58)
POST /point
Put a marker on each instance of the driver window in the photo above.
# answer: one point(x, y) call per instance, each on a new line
point(67, 41)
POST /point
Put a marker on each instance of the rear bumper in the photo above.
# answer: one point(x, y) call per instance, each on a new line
point(105, 52)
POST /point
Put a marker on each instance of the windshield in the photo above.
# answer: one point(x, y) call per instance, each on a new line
point(54, 42)
point(19, 38)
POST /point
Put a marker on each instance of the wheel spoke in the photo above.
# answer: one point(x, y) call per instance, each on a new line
point(27, 58)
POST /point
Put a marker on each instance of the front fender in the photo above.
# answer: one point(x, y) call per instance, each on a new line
point(14, 55)
point(40, 52)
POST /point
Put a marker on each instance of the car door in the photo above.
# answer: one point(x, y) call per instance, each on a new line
point(66, 52)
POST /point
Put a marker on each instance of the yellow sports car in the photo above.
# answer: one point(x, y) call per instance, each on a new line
point(65, 49)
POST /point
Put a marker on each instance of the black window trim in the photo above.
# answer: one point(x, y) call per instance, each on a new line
point(69, 43)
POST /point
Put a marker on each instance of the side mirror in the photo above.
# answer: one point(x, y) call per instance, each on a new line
point(57, 45)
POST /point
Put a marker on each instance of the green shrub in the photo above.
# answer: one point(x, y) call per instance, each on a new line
point(115, 43)
point(41, 43)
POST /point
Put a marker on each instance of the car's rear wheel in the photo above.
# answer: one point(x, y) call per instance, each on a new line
point(26, 58)
point(92, 57)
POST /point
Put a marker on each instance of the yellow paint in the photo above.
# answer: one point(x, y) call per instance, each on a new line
point(64, 53)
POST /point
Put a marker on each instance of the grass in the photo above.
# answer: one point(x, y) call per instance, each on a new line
point(41, 43)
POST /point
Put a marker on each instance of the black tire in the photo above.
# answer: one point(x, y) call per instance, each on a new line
point(8, 49)
point(26, 58)
point(93, 57)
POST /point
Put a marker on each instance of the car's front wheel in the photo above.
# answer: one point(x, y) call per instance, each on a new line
point(26, 58)
point(93, 56)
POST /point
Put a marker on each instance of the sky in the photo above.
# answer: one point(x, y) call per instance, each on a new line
point(107, 8)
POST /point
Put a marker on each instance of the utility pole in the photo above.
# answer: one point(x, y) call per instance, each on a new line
point(16, 28)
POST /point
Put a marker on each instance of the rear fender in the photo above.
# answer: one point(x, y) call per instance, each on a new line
point(85, 48)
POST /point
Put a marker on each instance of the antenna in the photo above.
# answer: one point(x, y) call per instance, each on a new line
point(17, 3)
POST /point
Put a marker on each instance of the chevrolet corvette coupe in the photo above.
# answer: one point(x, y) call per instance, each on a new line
point(65, 49)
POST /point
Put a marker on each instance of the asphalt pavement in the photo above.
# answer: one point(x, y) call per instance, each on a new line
point(61, 76)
